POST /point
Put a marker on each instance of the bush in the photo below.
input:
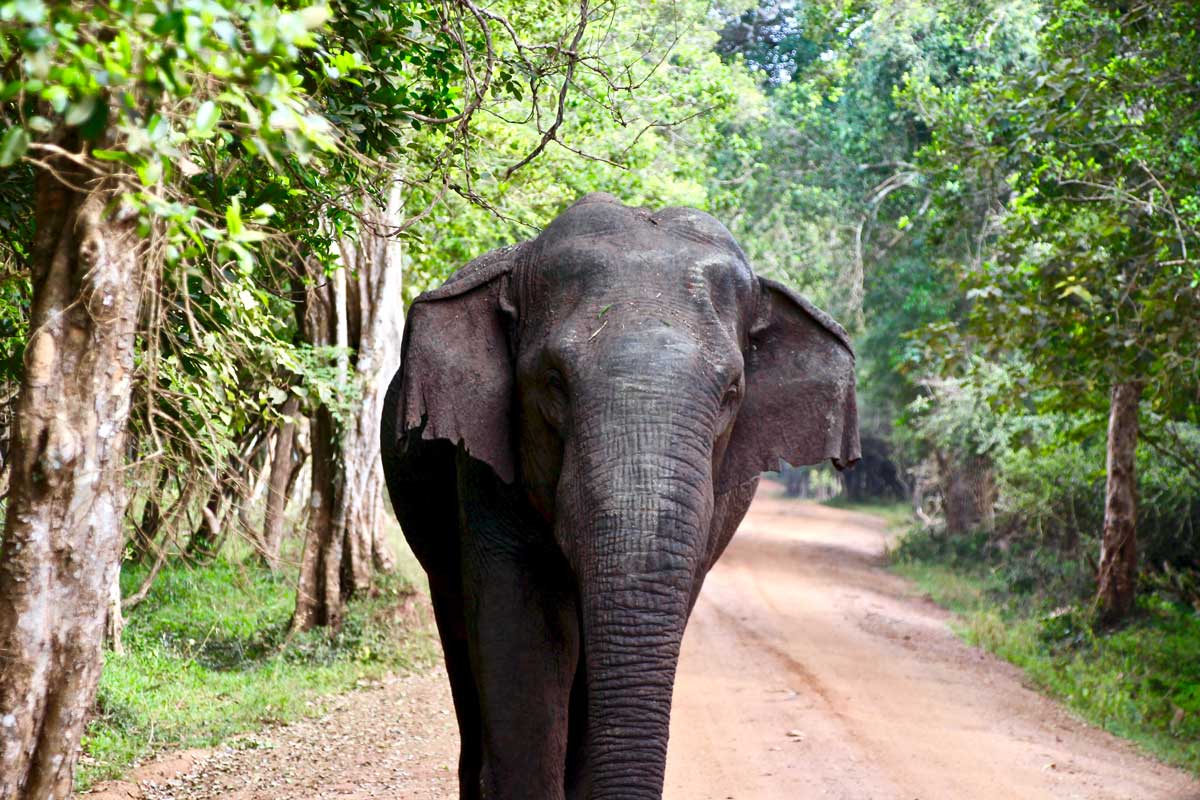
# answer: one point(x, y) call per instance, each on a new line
point(1051, 514)
point(1052, 494)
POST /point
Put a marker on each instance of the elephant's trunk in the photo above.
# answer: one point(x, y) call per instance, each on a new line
point(630, 666)
point(644, 510)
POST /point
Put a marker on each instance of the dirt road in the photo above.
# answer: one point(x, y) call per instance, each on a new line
point(808, 673)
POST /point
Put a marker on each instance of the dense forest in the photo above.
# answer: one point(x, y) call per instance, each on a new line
point(214, 214)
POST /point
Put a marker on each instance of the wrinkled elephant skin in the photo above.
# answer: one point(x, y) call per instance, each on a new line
point(576, 430)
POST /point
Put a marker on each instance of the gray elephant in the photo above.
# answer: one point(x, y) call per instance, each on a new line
point(575, 432)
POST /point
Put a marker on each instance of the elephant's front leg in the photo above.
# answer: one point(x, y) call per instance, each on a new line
point(522, 627)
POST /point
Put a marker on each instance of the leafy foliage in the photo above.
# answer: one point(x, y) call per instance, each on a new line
point(1087, 166)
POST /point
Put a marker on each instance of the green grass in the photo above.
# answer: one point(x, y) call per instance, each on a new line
point(1140, 681)
point(207, 657)
point(897, 513)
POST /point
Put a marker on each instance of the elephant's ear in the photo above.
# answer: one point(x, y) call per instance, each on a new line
point(456, 371)
point(799, 402)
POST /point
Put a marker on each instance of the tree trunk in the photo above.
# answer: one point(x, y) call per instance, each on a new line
point(202, 545)
point(232, 491)
point(253, 486)
point(277, 483)
point(359, 309)
point(145, 532)
point(1117, 579)
point(968, 492)
point(62, 540)
point(375, 327)
point(114, 623)
point(319, 592)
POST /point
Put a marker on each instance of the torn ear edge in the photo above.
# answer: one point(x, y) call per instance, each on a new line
point(456, 370)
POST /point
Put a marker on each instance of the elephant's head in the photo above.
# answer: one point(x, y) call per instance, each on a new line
point(631, 372)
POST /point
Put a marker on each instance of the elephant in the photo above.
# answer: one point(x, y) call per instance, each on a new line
point(576, 430)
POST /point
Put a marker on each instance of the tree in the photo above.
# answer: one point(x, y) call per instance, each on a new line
point(825, 191)
point(128, 115)
point(359, 310)
point(1083, 172)
point(62, 534)
point(91, 105)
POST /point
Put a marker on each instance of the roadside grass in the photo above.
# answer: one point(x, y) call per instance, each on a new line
point(897, 513)
point(1140, 681)
point(207, 657)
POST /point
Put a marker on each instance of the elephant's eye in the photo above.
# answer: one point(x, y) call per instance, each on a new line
point(732, 394)
point(554, 399)
point(555, 383)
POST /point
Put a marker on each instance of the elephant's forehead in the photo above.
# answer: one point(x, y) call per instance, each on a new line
point(599, 244)
point(635, 264)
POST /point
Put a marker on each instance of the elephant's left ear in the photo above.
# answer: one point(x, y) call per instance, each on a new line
point(799, 404)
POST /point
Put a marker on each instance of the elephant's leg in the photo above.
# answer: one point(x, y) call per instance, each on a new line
point(525, 647)
point(524, 642)
point(423, 484)
point(452, 629)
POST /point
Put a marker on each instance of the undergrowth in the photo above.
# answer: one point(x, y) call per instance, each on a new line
point(1033, 607)
point(207, 656)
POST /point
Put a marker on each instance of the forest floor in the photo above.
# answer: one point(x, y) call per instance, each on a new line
point(808, 671)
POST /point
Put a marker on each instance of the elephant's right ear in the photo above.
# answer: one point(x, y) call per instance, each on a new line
point(800, 404)
point(456, 371)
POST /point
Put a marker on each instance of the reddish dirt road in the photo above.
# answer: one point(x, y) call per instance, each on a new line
point(808, 673)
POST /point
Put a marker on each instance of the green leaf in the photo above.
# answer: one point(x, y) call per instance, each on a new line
point(207, 117)
point(116, 155)
point(13, 145)
point(233, 218)
point(57, 97)
point(1078, 291)
point(80, 111)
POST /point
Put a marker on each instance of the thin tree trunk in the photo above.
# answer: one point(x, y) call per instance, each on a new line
point(115, 622)
point(301, 439)
point(376, 327)
point(277, 483)
point(254, 486)
point(146, 531)
point(232, 490)
point(319, 592)
point(202, 543)
point(62, 541)
point(1117, 579)
point(968, 492)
